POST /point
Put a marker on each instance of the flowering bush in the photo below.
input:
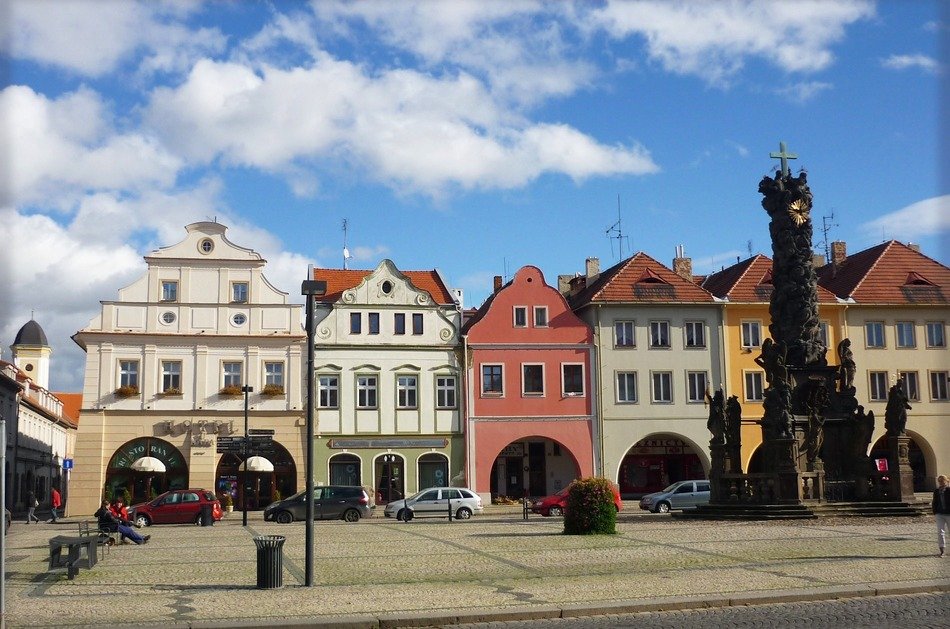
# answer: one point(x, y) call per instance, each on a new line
point(590, 508)
point(231, 391)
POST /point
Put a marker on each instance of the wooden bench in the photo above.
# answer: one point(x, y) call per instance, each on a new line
point(74, 558)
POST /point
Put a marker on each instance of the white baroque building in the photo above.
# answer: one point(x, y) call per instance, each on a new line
point(166, 363)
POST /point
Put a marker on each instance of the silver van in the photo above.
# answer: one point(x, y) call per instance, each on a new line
point(684, 494)
point(434, 501)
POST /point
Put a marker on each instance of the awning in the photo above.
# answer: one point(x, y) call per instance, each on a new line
point(257, 464)
point(148, 464)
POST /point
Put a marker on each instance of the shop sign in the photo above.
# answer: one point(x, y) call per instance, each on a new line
point(512, 449)
point(164, 452)
point(353, 444)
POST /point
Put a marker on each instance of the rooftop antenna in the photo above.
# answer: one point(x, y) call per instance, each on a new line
point(346, 252)
point(827, 222)
point(617, 228)
point(748, 246)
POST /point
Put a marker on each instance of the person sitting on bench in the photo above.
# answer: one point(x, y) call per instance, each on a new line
point(109, 523)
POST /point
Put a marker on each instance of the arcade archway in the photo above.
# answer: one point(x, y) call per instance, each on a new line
point(533, 466)
point(918, 461)
point(146, 484)
point(655, 462)
point(263, 487)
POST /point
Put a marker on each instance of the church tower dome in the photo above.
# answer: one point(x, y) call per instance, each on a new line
point(31, 353)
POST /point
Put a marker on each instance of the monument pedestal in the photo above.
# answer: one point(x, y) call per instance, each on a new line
point(899, 470)
point(783, 454)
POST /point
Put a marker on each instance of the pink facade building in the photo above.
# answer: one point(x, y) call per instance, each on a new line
point(529, 391)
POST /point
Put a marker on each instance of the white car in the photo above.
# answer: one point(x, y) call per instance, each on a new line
point(434, 501)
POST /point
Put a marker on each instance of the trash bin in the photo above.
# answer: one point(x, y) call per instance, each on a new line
point(207, 517)
point(270, 564)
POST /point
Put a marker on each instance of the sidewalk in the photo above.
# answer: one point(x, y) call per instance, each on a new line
point(495, 566)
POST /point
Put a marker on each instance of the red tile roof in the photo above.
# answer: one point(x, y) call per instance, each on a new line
point(339, 280)
point(750, 281)
point(72, 402)
point(889, 273)
point(640, 279)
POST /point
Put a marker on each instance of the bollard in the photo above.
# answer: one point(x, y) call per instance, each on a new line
point(270, 564)
point(207, 517)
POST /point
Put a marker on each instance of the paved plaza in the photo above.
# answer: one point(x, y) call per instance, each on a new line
point(495, 567)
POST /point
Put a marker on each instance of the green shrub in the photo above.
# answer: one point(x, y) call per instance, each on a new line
point(590, 508)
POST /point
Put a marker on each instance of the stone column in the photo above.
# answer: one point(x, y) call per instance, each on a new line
point(899, 470)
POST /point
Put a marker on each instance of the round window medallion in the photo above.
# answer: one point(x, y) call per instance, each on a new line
point(168, 317)
point(239, 319)
point(387, 287)
point(28, 368)
point(206, 246)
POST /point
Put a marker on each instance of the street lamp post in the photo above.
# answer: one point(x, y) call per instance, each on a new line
point(311, 288)
point(244, 447)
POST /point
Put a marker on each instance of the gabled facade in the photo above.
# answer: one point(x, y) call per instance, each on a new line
point(531, 429)
point(898, 307)
point(657, 336)
point(744, 290)
point(165, 367)
point(388, 380)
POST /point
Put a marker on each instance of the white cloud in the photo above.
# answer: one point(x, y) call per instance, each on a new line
point(927, 218)
point(413, 131)
point(904, 62)
point(93, 38)
point(803, 91)
point(714, 40)
point(67, 145)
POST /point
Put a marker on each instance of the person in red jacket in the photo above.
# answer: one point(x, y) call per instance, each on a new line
point(55, 502)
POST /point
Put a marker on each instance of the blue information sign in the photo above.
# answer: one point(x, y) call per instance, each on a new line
point(67, 464)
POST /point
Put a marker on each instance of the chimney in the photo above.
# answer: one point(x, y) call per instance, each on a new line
point(497, 283)
point(914, 246)
point(839, 252)
point(682, 265)
point(564, 284)
point(592, 268)
point(817, 260)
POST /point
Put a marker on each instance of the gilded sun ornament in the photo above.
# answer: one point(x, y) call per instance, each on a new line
point(798, 211)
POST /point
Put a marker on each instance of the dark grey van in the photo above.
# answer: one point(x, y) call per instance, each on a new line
point(684, 494)
point(330, 502)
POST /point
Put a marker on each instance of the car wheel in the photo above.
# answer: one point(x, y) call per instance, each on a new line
point(404, 515)
point(284, 517)
point(663, 507)
point(198, 520)
point(463, 514)
point(351, 515)
point(555, 511)
point(141, 520)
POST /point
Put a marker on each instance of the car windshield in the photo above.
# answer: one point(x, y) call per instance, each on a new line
point(671, 487)
point(416, 495)
point(563, 492)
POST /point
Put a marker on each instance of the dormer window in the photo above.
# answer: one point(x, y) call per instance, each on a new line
point(239, 291)
point(169, 291)
point(521, 317)
point(540, 316)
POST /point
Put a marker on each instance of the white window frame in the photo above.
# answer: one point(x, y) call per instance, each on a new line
point(629, 377)
point(696, 391)
point(878, 326)
point(328, 390)
point(367, 391)
point(939, 386)
point(666, 388)
point(540, 316)
point(524, 391)
point(501, 377)
point(173, 284)
point(521, 311)
point(247, 292)
point(747, 326)
point(227, 376)
point(900, 343)
point(824, 332)
point(753, 385)
point(877, 386)
point(694, 325)
point(660, 330)
point(911, 380)
point(170, 376)
point(446, 392)
point(622, 324)
point(272, 376)
point(564, 391)
point(129, 376)
point(932, 326)
point(407, 391)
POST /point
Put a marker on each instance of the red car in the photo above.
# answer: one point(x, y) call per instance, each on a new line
point(556, 504)
point(180, 506)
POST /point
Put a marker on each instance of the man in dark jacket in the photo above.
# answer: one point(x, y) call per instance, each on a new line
point(108, 522)
point(941, 509)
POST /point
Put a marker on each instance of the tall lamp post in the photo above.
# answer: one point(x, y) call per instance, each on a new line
point(311, 288)
point(245, 445)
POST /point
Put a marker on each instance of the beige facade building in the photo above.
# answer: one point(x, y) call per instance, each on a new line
point(166, 363)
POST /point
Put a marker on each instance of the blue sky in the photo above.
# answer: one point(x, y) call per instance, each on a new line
point(470, 137)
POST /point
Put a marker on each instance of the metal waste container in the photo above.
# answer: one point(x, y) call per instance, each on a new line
point(207, 517)
point(270, 564)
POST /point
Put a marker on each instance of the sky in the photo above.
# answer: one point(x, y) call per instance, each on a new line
point(470, 137)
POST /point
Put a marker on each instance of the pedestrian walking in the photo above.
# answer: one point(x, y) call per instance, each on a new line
point(941, 509)
point(31, 504)
point(55, 501)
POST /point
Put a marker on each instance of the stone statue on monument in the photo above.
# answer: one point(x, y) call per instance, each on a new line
point(895, 413)
point(717, 417)
point(847, 367)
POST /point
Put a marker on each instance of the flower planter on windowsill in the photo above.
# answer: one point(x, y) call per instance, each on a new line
point(171, 393)
point(126, 391)
point(230, 392)
point(273, 390)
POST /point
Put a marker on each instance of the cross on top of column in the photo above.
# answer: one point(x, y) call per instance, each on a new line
point(784, 155)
